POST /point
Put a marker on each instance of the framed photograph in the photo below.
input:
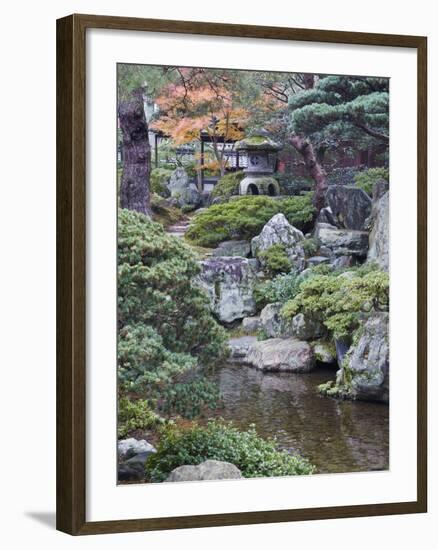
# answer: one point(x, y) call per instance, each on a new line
point(241, 274)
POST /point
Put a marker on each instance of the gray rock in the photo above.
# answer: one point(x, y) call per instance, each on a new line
point(239, 348)
point(343, 261)
point(380, 188)
point(324, 352)
point(369, 360)
point(130, 472)
point(229, 283)
point(350, 206)
point(379, 236)
point(250, 324)
point(129, 447)
point(233, 248)
point(140, 458)
point(306, 328)
point(207, 470)
point(285, 355)
point(178, 182)
point(279, 231)
point(317, 260)
point(272, 323)
point(342, 242)
point(182, 190)
point(326, 216)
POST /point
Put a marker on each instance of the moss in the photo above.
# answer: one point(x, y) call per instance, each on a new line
point(163, 213)
point(331, 389)
point(258, 142)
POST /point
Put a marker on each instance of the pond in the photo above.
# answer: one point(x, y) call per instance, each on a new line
point(336, 436)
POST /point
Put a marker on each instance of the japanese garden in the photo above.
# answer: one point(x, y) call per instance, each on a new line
point(253, 274)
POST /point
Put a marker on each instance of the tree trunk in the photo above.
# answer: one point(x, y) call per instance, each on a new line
point(134, 188)
point(316, 171)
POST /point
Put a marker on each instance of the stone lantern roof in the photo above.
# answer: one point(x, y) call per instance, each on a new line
point(258, 141)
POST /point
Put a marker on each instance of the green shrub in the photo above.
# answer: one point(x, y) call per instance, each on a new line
point(254, 456)
point(275, 259)
point(135, 415)
point(158, 180)
point(190, 399)
point(244, 218)
point(339, 302)
point(165, 323)
point(282, 288)
point(310, 246)
point(366, 179)
point(228, 185)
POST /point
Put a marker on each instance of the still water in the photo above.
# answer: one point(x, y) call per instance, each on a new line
point(336, 436)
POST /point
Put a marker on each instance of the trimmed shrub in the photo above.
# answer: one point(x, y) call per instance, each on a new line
point(366, 179)
point(339, 302)
point(282, 288)
point(158, 181)
point(190, 399)
point(275, 259)
point(135, 414)
point(244, 218)
point(228, 185)
point(165, 323)
point(310, 246)
point(254, 456)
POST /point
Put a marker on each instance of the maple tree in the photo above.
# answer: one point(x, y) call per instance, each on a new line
point(203, 101)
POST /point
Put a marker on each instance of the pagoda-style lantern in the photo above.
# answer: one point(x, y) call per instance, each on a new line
point(261, 151)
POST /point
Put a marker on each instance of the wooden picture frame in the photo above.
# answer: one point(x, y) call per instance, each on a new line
point(71, 273)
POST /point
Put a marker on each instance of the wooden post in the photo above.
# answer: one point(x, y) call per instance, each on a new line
point(156, 150)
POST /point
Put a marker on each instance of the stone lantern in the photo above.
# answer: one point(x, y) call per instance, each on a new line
point(261, 151)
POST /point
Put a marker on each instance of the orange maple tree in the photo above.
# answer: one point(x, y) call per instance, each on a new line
point(202, 101)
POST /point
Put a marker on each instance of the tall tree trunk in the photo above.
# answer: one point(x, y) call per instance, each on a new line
point(308, 80)
point(316, 171)
point(134, 188)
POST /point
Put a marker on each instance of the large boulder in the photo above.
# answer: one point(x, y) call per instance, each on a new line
point(369, 360)
point(272, 323)
point(379, 236)
point(342, 242)
point(207, 470)
point(279, 231)
point(304, 327)
point(350, 206)
point(229, 283)
point(182, 190)
point(239, 348)
point(283, 355)
point(233, 248)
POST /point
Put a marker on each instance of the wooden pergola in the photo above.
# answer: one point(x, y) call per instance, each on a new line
point(204, 137)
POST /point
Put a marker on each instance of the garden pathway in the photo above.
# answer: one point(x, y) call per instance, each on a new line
point(179, 229)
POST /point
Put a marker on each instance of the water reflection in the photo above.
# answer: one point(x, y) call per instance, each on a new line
point(337, 436)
